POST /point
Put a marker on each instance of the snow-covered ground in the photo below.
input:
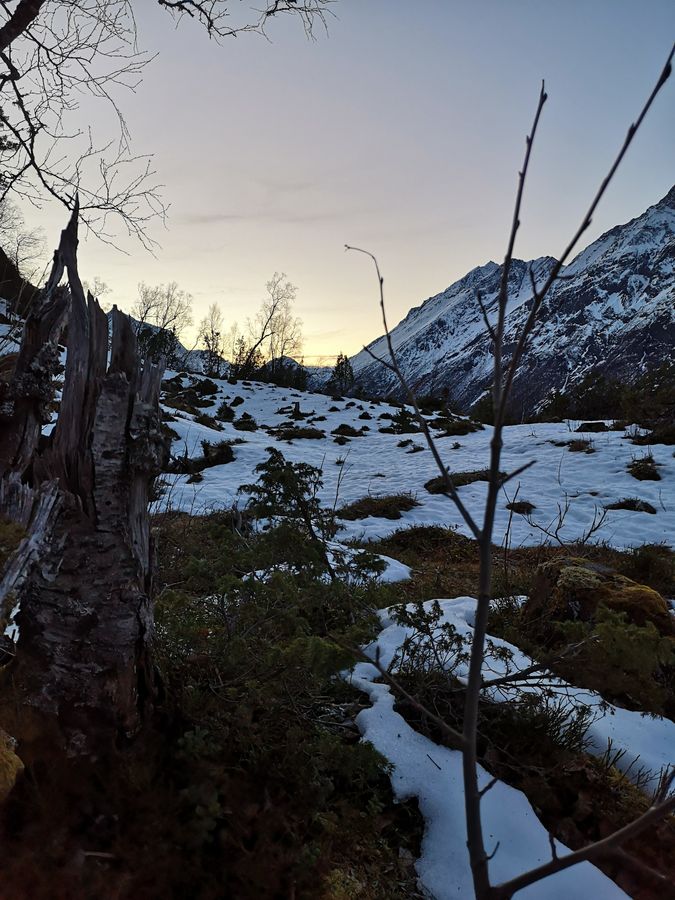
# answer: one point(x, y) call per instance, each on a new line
point(648, 742)
point(581, 483)
point(375, 464)
point(432, 774)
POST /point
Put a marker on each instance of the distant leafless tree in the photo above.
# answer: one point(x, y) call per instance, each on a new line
point(52, 52)
point(273, 332)
point(24, 246)
point(211, 335)
point(285, 329)
point(161, 313)
point(163, 306)
point(97, 288)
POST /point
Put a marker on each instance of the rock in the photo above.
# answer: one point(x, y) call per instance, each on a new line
point(571, 588)
point(10, 765)
point(592, 427)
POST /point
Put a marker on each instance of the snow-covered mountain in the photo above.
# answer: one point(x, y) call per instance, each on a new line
point(614, 310)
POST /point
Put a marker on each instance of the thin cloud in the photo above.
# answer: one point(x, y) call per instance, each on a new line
point(277, 217)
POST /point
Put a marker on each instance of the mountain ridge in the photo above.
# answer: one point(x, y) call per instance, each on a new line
point(612, 311)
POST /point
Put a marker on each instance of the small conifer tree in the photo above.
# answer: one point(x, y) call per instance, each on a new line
point(341, 380)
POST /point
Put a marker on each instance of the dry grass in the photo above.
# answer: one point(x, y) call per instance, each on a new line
point(644, 469)
point(634, 504)
point(459, 479)
point(389, 507)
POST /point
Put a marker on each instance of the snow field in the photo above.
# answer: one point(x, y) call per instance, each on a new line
point(374, 464)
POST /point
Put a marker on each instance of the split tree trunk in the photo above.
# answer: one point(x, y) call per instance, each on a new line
point(82, 673)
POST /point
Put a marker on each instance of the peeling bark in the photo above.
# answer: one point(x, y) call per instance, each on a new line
point(82, 664)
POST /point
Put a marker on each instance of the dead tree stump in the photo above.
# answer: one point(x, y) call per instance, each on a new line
point(80, 582)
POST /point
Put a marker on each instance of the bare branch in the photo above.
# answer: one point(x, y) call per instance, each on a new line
point(412, 399)
point(540, 295)
point(592, 851)
point(501, 391)
point(454, 737)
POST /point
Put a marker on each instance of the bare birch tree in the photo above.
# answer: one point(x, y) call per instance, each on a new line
point(272, 333)
point(211, 335)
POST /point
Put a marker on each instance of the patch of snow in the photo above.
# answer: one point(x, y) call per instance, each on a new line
point(433, 776)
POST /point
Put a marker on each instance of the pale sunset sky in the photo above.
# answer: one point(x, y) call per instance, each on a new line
point(401, 130)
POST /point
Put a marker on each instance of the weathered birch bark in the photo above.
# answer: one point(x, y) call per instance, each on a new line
point(82, 673)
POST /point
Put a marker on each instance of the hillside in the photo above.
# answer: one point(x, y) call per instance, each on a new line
point(377, 474)
point(591, 470)
point(612, 311)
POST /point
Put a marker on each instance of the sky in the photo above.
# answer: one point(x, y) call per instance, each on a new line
point(401, 131)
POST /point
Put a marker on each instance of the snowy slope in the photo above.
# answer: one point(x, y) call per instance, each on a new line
point(613, 310)
point(376, 464)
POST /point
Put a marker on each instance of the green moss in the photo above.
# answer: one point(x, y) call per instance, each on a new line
point(11, 536)
point(10, 765)
point(575, 578)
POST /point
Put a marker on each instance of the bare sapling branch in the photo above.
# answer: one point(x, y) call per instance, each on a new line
point(412, 399)
point(503, 377)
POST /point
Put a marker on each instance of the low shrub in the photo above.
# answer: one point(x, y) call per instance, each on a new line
point(454, 427)
point(271, 791)
point(213, 454)
point(403, 422)
point(208, 421)
point(293, 432)
point(225, 413)
point(644, 469)
point(437, 485)
point(345, 430)
point(592, 428)
point(652, 564)
point(522, 507)
point(389, 507)
point(169, 433)
point(581, 445)
point(204, 386)
point(187, 401)
point(245, 423)
point(662, 434)
point(634, 504)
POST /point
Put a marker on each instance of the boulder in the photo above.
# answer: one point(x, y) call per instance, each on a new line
point(571, 588)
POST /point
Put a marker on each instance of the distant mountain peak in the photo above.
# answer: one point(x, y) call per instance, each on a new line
point(613, 311)
point(668, 202)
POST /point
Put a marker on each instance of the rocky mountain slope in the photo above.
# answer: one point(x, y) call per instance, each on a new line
point(613, 311)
